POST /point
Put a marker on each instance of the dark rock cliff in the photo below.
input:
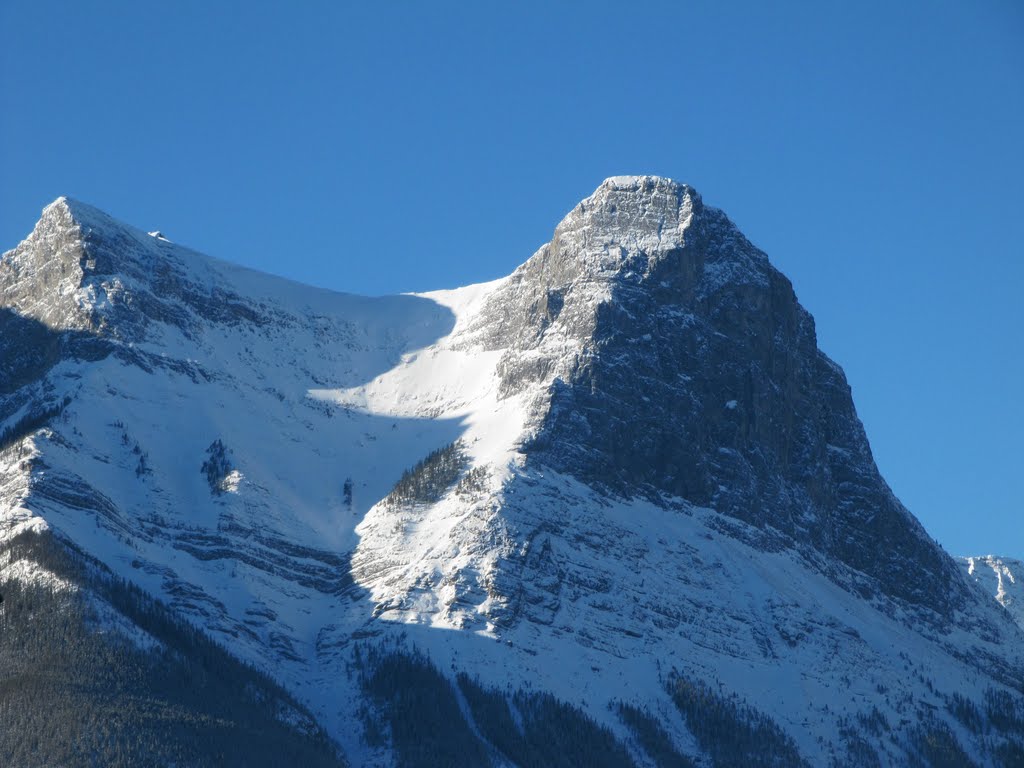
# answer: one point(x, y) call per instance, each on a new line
point(682, 365)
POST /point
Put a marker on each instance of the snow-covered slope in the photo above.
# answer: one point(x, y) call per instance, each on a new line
point(638, 465)
point(1001, 577)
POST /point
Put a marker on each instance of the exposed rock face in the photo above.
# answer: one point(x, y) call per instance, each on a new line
point(679, 363)
point(81, 270)
point(40, 277)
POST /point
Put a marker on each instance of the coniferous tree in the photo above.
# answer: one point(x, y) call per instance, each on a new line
point(346, 493)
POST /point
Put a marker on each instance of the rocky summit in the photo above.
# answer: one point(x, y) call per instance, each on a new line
point(616, 508)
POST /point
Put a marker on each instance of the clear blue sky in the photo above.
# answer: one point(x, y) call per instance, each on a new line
point(874, 150)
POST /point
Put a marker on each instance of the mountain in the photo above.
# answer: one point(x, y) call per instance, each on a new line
point(616, 508)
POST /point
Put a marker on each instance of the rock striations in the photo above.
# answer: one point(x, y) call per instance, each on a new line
point(616, 508)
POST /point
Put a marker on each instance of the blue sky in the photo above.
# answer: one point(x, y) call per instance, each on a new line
point(874, 150)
